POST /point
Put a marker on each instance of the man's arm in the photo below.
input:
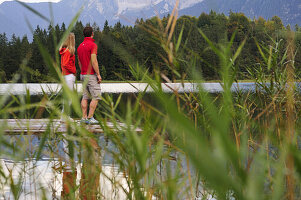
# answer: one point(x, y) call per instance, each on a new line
point(95, 66)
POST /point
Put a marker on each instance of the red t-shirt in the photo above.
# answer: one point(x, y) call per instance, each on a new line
point(67, 62)
point(84, 51)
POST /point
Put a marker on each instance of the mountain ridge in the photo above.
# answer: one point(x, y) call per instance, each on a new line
point(12, 14)
point(288, 10)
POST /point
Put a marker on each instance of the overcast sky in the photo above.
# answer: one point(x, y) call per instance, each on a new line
point(32, 1)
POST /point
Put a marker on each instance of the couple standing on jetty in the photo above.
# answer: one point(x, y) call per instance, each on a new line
point(88, 64)
point(90, 76)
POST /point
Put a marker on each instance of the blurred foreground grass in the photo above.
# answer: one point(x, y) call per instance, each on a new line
point(193, 145)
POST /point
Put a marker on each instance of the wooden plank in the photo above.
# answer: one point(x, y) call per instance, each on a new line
point(39, 126)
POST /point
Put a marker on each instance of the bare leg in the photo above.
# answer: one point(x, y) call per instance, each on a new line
point(70, 81)
point(93, 106)
point(90, 172)
point(69, 185)
point(84, 105)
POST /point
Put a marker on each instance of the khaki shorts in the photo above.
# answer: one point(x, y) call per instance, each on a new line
point(91, 88)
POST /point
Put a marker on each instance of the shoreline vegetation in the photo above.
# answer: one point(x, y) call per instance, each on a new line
point(229, 145)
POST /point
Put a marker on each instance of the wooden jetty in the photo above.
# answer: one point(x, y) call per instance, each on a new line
point(38, 126)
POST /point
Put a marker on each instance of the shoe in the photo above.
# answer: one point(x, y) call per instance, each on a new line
point(84, 121)
point(93, 121)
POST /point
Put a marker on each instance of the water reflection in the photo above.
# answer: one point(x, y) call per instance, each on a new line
point(83, 173)
point(69, 169)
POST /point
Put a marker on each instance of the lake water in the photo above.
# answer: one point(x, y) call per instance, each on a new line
point(46, 174)
point(37, 89)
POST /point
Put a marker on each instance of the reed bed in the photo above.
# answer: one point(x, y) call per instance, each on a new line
point(243, 145)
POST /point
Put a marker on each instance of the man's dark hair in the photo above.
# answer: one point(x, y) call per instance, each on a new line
point(88, 31)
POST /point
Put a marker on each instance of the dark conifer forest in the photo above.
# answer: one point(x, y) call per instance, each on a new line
point(120, 47)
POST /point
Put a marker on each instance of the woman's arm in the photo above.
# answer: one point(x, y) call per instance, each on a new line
point(65, 59)
point(66, 63)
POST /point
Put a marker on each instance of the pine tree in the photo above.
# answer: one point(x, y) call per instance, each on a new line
point(3, 55)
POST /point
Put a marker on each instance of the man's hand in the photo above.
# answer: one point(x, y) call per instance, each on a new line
point(99, 78)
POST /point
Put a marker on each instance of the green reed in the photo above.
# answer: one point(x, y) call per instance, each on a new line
point(242, 145)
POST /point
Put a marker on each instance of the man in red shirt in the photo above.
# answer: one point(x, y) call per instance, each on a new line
point(88, 64)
